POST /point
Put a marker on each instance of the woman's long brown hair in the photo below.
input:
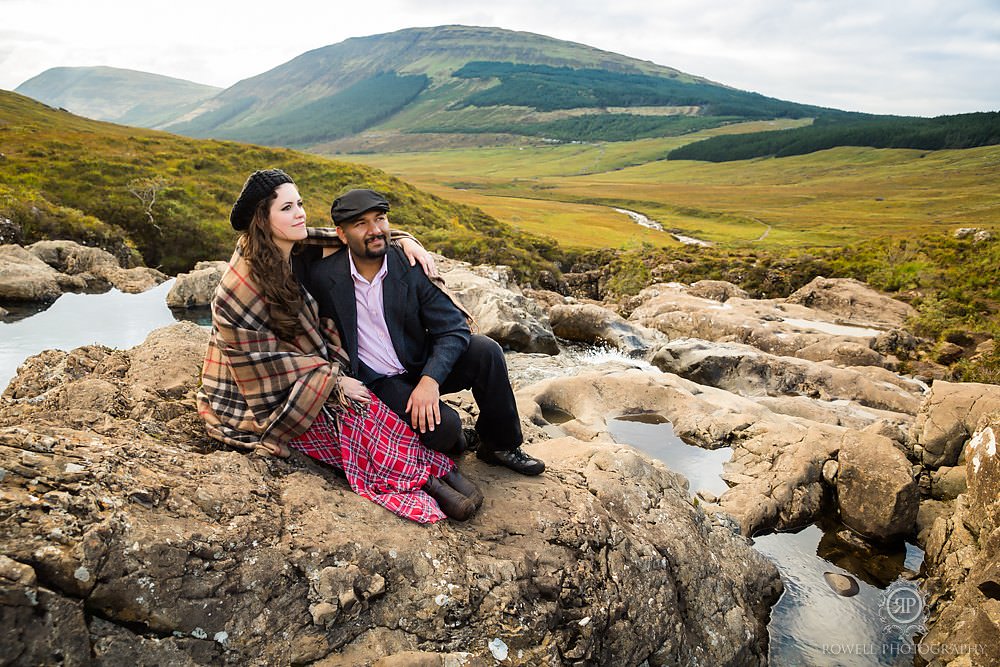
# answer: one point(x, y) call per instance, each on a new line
point(272, 273)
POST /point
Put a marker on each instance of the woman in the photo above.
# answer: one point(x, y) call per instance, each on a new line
point(273, 374)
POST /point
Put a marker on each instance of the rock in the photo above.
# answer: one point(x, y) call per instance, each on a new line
point(95, 266)
point(876, 492)
point(842, 353)
point(961, 563)
point(196, 288)
point(589, 323)
point(947, 483)
point(130, 513)
point(948, 417)
point(842, 584)
point(830, 470)
point(24, 277)
point(853, 301)
point(717, 290)
point(500, 313)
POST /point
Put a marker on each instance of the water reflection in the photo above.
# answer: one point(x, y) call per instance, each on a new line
point(653, 434)
point(113, 318)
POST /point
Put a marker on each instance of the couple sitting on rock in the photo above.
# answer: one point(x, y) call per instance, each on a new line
point(339, 353)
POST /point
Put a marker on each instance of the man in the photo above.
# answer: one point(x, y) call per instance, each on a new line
point(409, 342)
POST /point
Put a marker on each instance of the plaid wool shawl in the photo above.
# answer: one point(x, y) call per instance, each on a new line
point(258, 391)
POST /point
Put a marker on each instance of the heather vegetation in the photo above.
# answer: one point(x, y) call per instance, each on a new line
point(62, 176)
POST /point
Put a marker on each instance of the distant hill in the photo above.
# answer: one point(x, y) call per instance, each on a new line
point(121, 96)
point(67, 177)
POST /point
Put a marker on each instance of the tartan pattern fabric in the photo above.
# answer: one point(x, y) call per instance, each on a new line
point(383, 459)
point(258, 391)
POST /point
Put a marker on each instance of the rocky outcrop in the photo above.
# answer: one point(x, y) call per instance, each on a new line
point(130, 537)
point(98, 268)
point(963, 577)
point(197, 287)
point(771, 325)
point(24, 277)
point(775, 472)
point(744, 370)
point(46, 269)
point(948, 418)
point(499, 309)
point(590, 323)
point(853, 301)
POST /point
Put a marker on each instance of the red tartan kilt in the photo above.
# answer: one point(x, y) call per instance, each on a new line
point(381, 456)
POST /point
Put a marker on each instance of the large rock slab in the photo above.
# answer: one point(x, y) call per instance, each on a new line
point(130, 536)
point(747, 371)
point(771, 325)
point(853, 301)
point(948, 418)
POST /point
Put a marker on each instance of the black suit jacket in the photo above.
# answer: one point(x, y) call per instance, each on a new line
point(428, 332)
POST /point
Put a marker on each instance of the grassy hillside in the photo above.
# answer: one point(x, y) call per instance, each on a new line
point(117, 95)
point(62, 176)
point(472, 80)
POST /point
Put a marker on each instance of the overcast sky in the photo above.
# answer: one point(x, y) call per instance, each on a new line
point(911, 57)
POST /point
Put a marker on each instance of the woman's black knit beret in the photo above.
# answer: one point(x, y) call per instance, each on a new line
point(260, 185)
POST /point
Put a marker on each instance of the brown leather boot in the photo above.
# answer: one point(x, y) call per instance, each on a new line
point(465, 486)
point(451, 502)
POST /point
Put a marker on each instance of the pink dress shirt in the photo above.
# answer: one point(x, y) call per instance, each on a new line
point(374, 345)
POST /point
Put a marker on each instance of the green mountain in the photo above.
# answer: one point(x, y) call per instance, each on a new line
point(67, 177)
point(118, 95)
point(454, 80)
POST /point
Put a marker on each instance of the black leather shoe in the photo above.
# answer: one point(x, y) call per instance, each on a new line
point(465, 486)
point(451, 502)
point(515, 459)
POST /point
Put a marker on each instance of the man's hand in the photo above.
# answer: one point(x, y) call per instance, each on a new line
point(423, 405)
point(416, 253)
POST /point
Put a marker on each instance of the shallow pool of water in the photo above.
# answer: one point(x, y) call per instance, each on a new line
point(810, 624)
point(833, 329)
point(114, 318)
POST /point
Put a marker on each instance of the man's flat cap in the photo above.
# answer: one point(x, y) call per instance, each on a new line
point(353, 203)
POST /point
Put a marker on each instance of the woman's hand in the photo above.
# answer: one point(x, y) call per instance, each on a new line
point(353, 389)
point(416, 253)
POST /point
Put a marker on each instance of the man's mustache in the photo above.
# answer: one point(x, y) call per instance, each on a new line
point(377, 237)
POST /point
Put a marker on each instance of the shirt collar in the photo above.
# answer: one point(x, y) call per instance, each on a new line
point(378, 276)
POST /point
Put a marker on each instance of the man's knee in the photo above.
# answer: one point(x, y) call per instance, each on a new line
point(445, 436)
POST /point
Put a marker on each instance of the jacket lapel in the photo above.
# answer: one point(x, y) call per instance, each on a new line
point(394, 303)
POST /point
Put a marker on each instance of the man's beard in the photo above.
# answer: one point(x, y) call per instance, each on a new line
point(375, 254)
